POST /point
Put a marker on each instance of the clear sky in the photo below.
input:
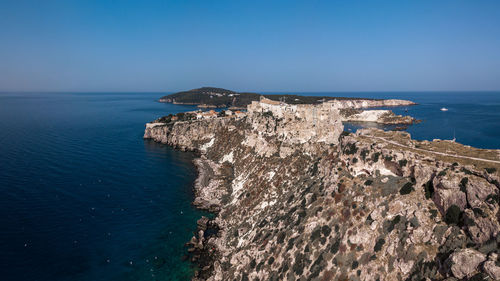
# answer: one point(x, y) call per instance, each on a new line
point(311, 45)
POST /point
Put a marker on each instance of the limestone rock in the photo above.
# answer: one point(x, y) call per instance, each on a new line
point(478, 189)
point(447, 193)
point(481, 227)
point(465, 262)
point(491, 268)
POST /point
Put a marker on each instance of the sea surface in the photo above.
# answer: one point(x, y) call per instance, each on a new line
point(84, 197)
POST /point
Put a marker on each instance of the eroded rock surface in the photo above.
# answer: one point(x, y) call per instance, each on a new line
point(465, 262)
point(376, 116)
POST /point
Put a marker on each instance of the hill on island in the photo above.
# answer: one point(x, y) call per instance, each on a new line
point(218, 97)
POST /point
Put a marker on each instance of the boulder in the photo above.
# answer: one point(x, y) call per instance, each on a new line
point(202, 223)
point(393, 167)
point(465, 262)
point(447, 192)
point(492, 270)
point(423, 173)
point(481, 229)
point(478, 189)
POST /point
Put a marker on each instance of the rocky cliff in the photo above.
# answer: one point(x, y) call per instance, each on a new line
point(347, 109)
point(297, 200)
point(366, 103)
point(386, 117)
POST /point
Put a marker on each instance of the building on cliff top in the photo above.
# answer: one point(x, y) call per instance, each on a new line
point(299, 123)
point(239, 113)
point(269, 101)
point(206, 115)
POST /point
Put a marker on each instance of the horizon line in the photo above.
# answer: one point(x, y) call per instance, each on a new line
point(244, 91)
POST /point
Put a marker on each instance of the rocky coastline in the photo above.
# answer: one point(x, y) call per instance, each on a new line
point(385, 117)
point(299, 199)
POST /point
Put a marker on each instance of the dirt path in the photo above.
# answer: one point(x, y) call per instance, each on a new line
point(435, 152)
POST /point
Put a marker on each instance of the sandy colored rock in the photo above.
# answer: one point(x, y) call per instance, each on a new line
point(465, 262)
point(491, 268)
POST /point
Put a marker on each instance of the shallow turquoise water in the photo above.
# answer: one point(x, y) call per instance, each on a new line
point(84, 197)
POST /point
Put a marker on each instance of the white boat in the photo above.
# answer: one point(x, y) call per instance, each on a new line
point(444, 109)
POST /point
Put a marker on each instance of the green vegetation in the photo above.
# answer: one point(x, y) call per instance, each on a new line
point(433, 213)
point(492, 199)
point(268, 114)
point(393, 223)
point(344, 133)
point(171, 118)
point(363, 154)
point(463, 184)
point(379, 244)
point(453, 215)
point(442, 173)
point(350, 148)
point(406, 189)
point(326, 230)
point(225, 98)
point(490, 170)
point(466, 171)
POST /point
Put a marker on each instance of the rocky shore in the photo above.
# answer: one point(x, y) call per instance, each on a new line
point(295, 198)
point(385, 117)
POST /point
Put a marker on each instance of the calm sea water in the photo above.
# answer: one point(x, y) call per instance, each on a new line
point(84, 197)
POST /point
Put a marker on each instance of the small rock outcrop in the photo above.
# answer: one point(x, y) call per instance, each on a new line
point(465, 262)
point(385, 117)
point(492, 267)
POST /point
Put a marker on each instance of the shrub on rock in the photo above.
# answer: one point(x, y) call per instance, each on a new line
point(453, 215)
point(406, 189)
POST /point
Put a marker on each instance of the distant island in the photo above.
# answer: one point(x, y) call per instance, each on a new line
point(210, 97)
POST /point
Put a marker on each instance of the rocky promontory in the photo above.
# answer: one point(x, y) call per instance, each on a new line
point(386, 117)
point(296, 198)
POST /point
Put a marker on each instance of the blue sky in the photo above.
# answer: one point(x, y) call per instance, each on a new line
point(249, 45)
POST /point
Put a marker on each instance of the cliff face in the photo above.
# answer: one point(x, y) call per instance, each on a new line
point(361, 103)
point(324, 112)
point(386, 117)
point(295, 200)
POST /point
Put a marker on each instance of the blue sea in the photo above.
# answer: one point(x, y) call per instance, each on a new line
point(84, 197)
